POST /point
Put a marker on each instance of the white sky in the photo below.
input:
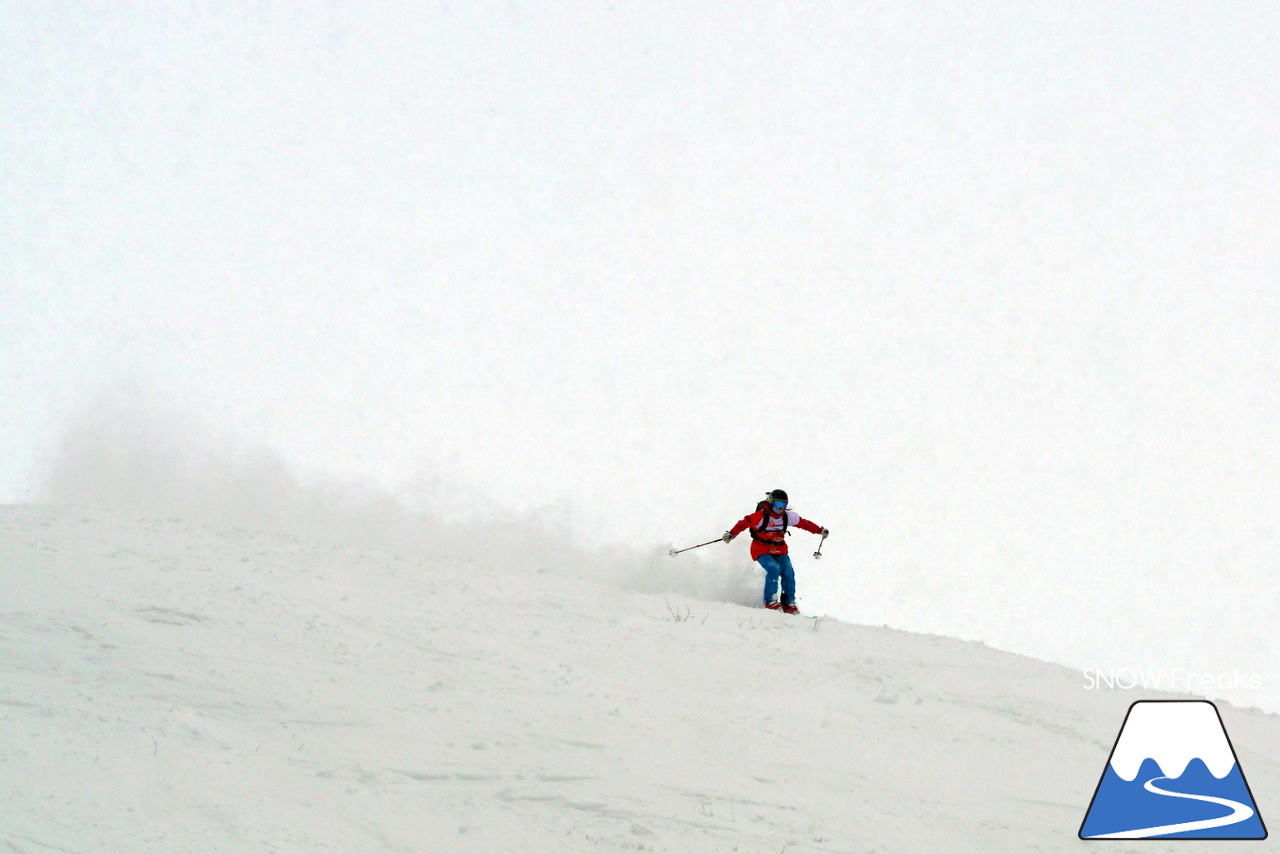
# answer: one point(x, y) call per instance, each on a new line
point(991, 289)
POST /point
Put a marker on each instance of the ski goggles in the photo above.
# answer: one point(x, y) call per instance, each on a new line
point(778, 505)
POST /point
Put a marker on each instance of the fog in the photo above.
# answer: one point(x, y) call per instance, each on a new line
point(990, 290)
point(128, 454)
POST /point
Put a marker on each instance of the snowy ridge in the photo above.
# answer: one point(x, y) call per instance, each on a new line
point(1172, 734)
point(167, 686)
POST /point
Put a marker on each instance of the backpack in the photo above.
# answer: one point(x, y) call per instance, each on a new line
point(764, 520)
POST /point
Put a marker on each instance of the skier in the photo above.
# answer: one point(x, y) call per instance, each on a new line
point(768, 527)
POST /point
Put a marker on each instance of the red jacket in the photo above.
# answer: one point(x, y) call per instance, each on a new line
point(772, 531)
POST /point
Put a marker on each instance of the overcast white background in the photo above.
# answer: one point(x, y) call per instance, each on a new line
point(990, 289)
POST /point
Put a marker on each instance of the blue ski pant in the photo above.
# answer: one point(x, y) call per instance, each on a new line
point(775, 566)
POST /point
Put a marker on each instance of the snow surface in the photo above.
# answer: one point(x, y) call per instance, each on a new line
point(172, 687)
point(1172, 734)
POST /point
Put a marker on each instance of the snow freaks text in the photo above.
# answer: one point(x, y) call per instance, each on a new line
point(1175, 679)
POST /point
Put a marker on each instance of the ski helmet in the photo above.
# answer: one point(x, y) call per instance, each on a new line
point(778, 495)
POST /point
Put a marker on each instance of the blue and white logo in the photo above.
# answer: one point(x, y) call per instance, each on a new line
point(1173, 774)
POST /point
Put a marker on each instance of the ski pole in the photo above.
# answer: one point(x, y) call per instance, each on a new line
point(675, 552)
point(818, 553)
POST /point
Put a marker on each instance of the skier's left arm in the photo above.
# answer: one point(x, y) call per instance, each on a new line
point(806, 525)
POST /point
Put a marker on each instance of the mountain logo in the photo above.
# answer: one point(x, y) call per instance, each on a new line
point(1173, 774)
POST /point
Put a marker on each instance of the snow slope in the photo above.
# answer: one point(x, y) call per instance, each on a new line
point(168, 687)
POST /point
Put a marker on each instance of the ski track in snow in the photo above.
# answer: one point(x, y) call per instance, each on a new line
point(170, 687)
point(1239, 812)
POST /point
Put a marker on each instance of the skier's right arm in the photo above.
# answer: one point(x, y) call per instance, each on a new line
point(751, 520)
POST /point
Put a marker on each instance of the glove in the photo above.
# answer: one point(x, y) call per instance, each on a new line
point(727, 536)
point(824, 532)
